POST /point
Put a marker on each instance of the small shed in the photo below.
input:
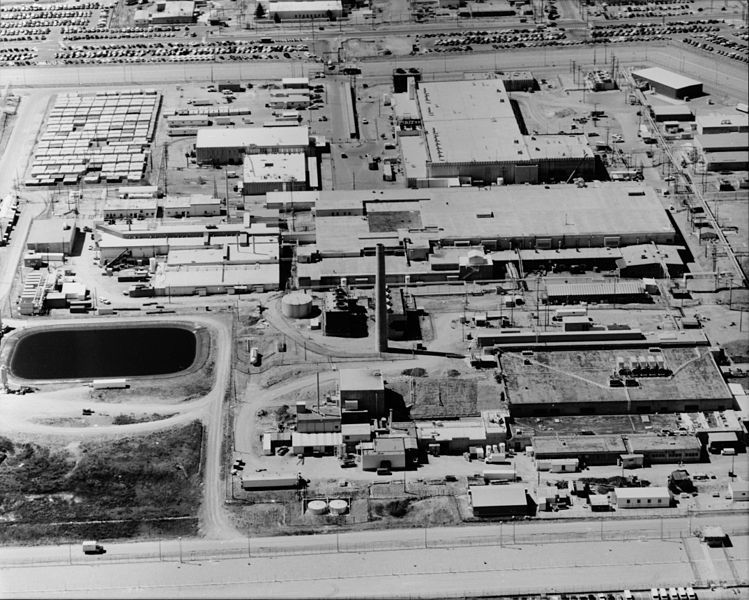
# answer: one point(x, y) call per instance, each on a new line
point(714, 537)
point(564, 465)
point(498, 501)
point(738, 490)
point(599, 503)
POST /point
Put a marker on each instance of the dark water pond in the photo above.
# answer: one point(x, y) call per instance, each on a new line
point(104, 352)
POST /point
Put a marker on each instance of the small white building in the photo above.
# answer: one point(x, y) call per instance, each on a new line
point(274, 172)
point(192, 206)
point(130, 208)
point(305, 9)
point(295, 82)
point(738, 490)
point(641, 497)
point(312, 443)
point(564, 465)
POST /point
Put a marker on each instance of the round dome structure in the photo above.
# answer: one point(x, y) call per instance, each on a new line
point(338, 507)
point(297, 305)
point(317, 507)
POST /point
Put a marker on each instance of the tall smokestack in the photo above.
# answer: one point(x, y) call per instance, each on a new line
point(381, 311)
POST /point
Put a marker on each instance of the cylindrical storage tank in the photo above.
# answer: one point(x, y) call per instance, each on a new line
point(297, 305)
point(338, 507)
point(317, 507)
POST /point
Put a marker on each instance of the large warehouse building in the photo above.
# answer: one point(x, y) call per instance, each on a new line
point(470, 131)
point(669, 83)
point(441, 234)
point(222, 146)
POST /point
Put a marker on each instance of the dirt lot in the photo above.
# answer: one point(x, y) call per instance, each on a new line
point(51, 492)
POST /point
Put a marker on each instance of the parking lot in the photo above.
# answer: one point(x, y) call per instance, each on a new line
point(149, 52)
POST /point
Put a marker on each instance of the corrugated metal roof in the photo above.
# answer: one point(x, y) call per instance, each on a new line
point(642, 492)
point(316, 439)
point(603, 288)
point(669, 78)
point(486, 496)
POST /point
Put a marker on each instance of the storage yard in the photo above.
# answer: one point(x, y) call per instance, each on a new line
point(474, 274)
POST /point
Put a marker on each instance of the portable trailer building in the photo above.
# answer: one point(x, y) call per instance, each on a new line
point(642, 497)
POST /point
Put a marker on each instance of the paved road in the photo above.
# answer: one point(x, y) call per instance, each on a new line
point(716, 74)
point(467, 560)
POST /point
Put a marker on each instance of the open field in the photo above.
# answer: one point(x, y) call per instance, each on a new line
point(131, 487)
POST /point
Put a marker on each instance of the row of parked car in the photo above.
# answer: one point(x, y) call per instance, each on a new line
point(73, 34)
point(500, 38)
point(17, 57)
point(725, 47)
point(179, 52)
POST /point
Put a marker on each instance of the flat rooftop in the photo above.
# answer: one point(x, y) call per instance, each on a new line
point(275, 167)
point(457, 214)
point(579, 444)
point(669, 78)
point(469, 121)
point(246, 137)
point(437, 398)
point(572, 377)
point(593, 424)
point(638, 444)
point(360, 380)
point(487, 496)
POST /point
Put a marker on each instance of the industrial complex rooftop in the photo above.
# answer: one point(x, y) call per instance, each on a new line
point(248, 137)
point(665, 77)
point(632, 212)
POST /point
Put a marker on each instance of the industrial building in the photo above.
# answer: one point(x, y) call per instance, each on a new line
point(166, 12)
point(641, 497)
point(470, 131)
point(383, 452)
point(169, 207)
point(550, 384)
point(657, 449)
point(146, 240)
point(668, 83)
point(499, 500)
point(305, 9)
point(488, 8)
point(227, 146)
point(362, 390)
point(459, 436)
point(274, 172)
point(590, 450)
point(611, 292)
point(433, 235)
point(726, 161)
point(51, 235)
point(342, 315)
point(671, 112)
point(722, 123)
point(722, 142)
point(651, 260)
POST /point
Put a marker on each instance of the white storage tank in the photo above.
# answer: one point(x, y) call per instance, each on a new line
point(297, 305)
point(338, 507)
point(317, 507)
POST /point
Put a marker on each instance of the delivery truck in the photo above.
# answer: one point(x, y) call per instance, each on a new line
point(93, 547)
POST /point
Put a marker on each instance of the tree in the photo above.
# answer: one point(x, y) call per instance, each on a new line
point(259, 11)
point(276, 18)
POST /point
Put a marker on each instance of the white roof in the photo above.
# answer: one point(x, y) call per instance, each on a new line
point(730, 120)
point(244, 137)
point(485, 496)
point(295, 81)
point(275, 167)
point(361, 379)
point(316, 439)
point(265, 274)
point(669, 78)
point(304, 5)
point(642, 492)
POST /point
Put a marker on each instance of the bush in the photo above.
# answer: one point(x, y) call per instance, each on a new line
point(6, 446)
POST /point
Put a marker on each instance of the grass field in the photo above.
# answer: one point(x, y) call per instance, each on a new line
point(130, 487)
